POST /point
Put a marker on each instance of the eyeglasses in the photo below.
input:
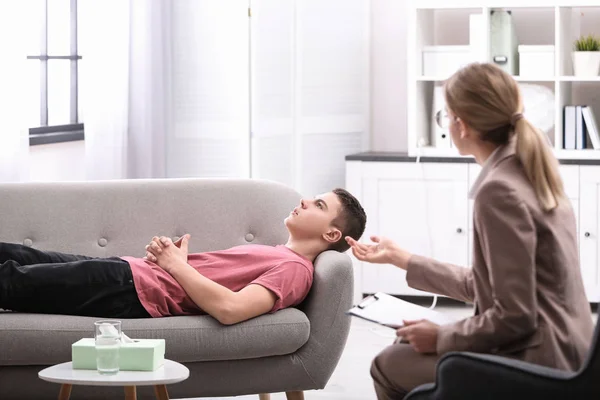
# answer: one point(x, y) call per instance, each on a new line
point(443, 119)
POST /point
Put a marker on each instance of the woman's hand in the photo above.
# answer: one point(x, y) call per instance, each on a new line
point(384, 251)
point(422, 335)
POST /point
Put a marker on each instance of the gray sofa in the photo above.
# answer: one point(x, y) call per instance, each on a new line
point(295, 349)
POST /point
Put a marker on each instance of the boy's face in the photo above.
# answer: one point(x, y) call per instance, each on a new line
point(313, 218)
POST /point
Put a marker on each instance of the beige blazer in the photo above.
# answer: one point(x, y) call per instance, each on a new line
point(525, 279)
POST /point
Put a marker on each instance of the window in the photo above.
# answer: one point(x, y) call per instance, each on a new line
point(54, 113)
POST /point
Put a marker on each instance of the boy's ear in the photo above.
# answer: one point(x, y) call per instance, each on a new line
point(332, 235)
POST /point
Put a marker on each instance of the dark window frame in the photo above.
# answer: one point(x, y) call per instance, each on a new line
point(45, 134)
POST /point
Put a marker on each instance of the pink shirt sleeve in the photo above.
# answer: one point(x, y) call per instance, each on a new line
point(290, 281)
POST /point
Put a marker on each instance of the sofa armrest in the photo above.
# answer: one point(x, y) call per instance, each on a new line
point(466, 375)
point(325, 306)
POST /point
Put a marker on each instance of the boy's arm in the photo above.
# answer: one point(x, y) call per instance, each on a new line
point(226, 306)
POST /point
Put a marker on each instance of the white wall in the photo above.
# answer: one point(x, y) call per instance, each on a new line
point(388, 75)
point(388, 85)
point(57, 162)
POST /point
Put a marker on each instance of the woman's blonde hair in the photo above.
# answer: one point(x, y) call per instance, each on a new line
point(488, 100)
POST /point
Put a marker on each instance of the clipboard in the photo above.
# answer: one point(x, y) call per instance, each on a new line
point(386, 310)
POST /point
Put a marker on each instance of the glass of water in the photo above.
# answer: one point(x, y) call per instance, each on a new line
point(108, 342)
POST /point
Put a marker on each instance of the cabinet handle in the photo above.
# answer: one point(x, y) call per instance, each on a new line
point(587, 234)
point(458, 230)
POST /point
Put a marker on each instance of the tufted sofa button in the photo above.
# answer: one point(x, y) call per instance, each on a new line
point(28, 242)
point(102, 242)
point(249, 237)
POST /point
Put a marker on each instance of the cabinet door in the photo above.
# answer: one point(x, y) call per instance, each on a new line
point(589, 224)
point(423, 208)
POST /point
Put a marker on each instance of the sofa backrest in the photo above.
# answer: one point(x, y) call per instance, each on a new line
point(118, 218)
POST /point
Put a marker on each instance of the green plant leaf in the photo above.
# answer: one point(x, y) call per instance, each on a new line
point(587, 43)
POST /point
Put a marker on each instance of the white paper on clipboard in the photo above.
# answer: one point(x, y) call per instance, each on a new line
point(390, 311)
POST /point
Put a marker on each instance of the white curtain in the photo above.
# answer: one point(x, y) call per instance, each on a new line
point(15, 86)
point(149, 88)
point(210, 135)
point(165, 87)
point(104, 85)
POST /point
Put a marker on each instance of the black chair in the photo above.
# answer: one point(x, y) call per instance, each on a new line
point(472, 376)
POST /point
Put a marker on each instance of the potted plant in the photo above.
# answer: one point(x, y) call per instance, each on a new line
point(586, 57)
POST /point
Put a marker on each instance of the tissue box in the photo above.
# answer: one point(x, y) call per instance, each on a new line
point(141, 355)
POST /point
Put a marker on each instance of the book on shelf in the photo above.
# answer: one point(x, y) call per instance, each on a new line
point(580, 130)
point(569, 128)
point(592, 126)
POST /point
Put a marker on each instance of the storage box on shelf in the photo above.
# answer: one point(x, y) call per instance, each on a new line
point(444, 31)
point(536, 61)
point(444, 60)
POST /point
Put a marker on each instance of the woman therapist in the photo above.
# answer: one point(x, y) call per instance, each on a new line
point(525, 279)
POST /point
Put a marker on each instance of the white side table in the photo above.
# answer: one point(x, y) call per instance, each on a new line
point(170, 372)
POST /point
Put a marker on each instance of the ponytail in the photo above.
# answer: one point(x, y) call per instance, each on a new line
point(489, 100)
point(540, 165)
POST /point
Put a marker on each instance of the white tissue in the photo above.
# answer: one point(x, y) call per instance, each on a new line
point(126, 339)
point(109, 331)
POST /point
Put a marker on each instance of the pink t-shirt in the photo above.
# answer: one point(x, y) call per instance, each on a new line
point(279, 269)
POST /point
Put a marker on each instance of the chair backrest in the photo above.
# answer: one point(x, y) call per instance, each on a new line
point(590, 371)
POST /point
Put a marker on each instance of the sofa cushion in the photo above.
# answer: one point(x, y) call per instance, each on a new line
point(37, 339)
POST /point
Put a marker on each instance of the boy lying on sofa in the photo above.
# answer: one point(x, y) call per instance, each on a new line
point(231, 285)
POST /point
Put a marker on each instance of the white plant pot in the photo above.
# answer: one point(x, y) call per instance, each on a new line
point(586, 63)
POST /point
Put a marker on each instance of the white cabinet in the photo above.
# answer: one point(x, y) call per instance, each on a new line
point(589, 227)
point(425, 208)
point(421, 206)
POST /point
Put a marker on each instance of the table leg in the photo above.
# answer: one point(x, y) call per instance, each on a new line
point(65, 392)
point(130, 393)
point(161, 392)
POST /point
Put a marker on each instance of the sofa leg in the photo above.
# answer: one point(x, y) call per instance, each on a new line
point(294, 395)
point(264, 396)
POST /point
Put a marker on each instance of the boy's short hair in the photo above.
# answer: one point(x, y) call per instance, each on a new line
point(351, 219)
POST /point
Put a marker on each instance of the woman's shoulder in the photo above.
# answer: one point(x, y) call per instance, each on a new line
point(506, 190)
point(508, 181)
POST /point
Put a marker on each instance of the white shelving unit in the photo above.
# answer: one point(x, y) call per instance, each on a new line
point(558, 23)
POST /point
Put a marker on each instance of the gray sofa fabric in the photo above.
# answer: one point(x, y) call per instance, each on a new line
point(293, 349)
point(189, 338)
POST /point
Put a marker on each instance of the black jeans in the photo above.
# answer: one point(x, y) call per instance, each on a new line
point(47, 282)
